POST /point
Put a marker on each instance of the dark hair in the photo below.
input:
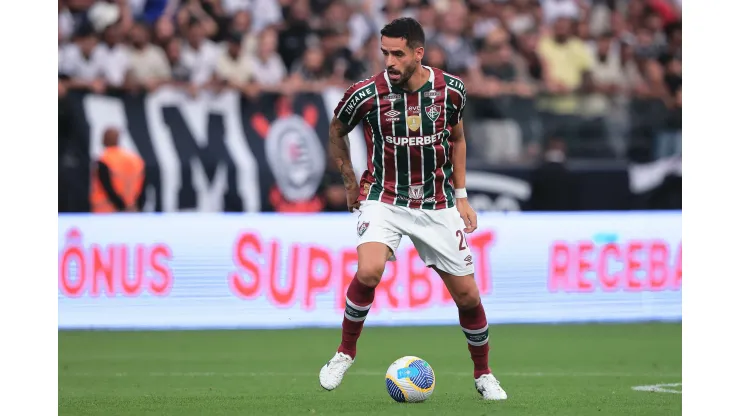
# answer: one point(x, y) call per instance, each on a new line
point(672, 28)
point(85, 30)
point(406, 28)
point(143, 25)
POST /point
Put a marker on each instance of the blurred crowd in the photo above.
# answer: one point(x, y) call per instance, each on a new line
point(602, 78)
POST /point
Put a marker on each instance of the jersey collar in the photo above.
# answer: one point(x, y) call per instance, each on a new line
point(427, 85)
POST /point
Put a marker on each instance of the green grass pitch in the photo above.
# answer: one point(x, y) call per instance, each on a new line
point(571, 370)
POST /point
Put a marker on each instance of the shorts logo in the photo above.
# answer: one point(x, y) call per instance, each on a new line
point(414, 122)
point(362, 227)
point(416, 192)
point(433, 111)
point(468, 260)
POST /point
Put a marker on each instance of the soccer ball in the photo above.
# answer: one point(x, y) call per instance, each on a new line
point(410, 379)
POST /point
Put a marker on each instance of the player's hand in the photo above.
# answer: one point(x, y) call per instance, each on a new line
point(353, 194)
point(467, 214)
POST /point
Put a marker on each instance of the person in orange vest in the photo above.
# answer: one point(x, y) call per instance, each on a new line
point(117, 178)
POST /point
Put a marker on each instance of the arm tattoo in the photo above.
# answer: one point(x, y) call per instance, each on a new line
point(339, 148)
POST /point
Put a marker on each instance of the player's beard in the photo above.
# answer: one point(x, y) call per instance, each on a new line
point(405, 76)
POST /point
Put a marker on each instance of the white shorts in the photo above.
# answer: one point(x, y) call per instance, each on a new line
point(437, 235)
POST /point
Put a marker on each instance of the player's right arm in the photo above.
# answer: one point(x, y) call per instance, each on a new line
point(339, 150)
point(348, 113)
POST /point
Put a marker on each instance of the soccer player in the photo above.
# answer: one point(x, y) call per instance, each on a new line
point(414, 185)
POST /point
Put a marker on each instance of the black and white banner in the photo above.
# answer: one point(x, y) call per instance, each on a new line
point(217, 152)
point(223, 152)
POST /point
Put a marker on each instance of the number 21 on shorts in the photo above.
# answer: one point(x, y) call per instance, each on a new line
point(463, 240)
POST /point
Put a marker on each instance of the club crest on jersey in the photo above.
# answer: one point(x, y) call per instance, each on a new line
point(416, 192)
point(433, 111)
point(362, 227)
point(432, 93)
point(392, 97)
point(413, 122)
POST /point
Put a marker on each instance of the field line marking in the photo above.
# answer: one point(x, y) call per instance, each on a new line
point(659, 388)
point(363, 373)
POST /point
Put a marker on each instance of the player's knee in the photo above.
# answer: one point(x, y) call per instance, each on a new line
point(467, 298)
point(369, 275)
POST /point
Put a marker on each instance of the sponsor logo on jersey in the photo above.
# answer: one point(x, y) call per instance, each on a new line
point(427, 199)
point(413, 109)
point(416, 191)
point(392, 97)
point(433, 111)
point(365, 188)
point(415, 141)
point(362, 227)
point(413, 122)
point(455, 83)
point(432, 94)
point(358, 97)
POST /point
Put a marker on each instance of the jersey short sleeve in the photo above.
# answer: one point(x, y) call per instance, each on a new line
point(352, 107)
point(459, 96)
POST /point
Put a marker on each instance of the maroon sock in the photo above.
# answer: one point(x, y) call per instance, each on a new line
point(359, 299)
point(475, 327)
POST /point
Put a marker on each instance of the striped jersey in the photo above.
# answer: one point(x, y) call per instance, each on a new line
point(408, 151)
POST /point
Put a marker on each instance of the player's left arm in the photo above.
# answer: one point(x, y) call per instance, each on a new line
point(459, 155)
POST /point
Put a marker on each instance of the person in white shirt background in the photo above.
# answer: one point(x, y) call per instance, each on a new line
point(100, 47)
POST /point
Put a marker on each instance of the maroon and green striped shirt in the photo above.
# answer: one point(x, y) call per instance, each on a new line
point(408, 151)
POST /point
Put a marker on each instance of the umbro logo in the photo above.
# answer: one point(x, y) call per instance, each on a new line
point(392, 113)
